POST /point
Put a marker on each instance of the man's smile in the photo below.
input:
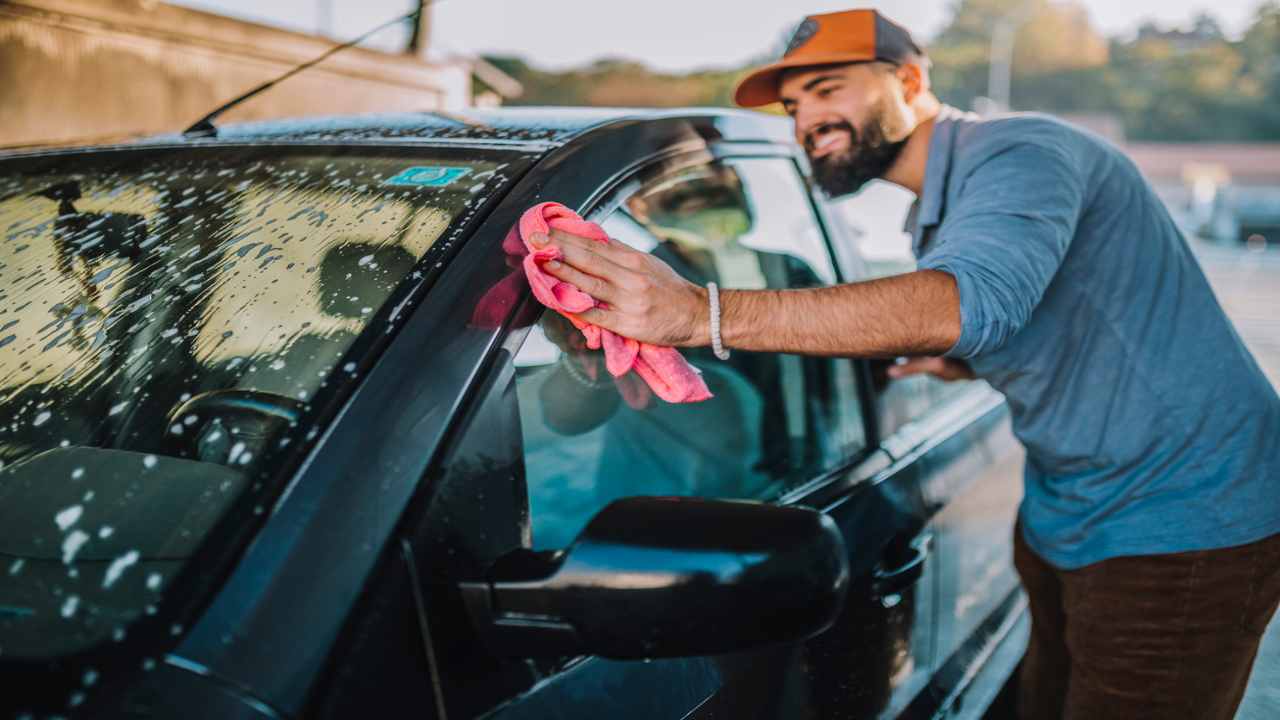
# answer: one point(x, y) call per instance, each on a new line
point(827, 139)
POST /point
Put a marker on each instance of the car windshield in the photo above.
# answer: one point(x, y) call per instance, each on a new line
point(170, 323)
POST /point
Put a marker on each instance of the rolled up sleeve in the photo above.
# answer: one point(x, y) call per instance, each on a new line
point(1004, 238)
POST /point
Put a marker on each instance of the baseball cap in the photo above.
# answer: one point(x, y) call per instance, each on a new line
point(830, 39)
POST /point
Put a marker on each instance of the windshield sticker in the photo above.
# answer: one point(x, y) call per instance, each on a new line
point(427, 176)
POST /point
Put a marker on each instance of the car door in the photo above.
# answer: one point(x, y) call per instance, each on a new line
point(959, 437)
point(781, 429)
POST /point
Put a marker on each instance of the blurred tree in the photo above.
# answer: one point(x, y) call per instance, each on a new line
point(1192, 84)
point(1179, 84)
point(1058, 36)
point(1206, 26)
point(1261, 49)
point(1049, 37)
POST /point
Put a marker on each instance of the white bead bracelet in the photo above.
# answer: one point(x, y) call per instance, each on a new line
point(717, 345)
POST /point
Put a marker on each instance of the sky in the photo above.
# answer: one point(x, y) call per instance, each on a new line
point(670, 35)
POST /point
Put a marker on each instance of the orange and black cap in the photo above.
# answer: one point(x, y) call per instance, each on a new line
point(831, 39)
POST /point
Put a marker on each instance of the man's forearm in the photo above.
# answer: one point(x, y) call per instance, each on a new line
point(913, 314)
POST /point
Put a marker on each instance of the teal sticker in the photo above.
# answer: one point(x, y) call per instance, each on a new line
point(427, 176)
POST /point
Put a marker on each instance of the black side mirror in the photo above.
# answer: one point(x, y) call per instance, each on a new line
point(668, 577)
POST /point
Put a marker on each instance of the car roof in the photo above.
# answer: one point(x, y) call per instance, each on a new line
point(516, 126)
point(522, 128)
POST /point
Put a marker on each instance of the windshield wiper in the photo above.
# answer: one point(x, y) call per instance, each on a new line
point(204, 127)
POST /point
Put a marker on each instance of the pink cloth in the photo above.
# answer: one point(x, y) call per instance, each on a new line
point(664, 369)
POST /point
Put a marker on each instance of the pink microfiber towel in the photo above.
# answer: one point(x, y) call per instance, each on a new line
point(664, 369)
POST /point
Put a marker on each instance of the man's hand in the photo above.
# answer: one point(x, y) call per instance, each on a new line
point(646, 299)
point(943, 368)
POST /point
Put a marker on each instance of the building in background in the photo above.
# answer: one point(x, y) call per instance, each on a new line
point(76, 71)
point(1222, 191)
point(1228, 192)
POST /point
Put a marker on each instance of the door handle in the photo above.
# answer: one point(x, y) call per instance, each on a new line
point(892, 581)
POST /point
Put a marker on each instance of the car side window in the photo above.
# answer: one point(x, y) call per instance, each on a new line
point(774, 421)
point(881, 247)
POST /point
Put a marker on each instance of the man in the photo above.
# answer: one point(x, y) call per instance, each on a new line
point(1149, 538)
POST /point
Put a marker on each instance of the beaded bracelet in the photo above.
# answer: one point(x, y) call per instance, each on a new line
point(578, 376)
point(717, 345)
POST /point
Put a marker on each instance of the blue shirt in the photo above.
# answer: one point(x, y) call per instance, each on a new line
point(1149, 427)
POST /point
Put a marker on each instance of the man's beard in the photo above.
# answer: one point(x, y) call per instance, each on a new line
point(869, 157)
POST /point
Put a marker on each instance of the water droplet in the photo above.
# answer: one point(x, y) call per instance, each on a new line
point(117, 634)
point(72, 544)
point(42, 418)
point(90, 677)
point(16, 567)
point(349, 367)
point(88, 496)
point(118, 566)
point(118, 408)
point(175, 629)
point(149, 461)
point(105, 531)
point(148, 664)
point(76, 699)
point(153, 581)
point(77, 473)
point(69, 606)
point(68, 517)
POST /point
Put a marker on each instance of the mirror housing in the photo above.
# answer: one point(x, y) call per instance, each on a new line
point(667, 577)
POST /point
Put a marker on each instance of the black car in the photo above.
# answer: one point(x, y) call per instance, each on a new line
point(284, 434)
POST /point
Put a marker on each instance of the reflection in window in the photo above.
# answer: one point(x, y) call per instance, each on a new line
point(876, 216)
point(165, 317)
point(287, 321)
point(774, 421)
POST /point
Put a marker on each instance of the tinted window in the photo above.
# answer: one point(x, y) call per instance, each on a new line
point(775, 420)
point(166, 319)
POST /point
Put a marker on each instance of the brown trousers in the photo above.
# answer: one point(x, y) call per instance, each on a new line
point(1156, 636)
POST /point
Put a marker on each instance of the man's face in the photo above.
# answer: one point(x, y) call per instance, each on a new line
point(851, 120)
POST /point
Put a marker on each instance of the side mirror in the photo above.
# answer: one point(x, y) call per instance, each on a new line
point(667, 577)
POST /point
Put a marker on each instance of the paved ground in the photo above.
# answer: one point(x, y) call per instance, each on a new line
point(1248, 286)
